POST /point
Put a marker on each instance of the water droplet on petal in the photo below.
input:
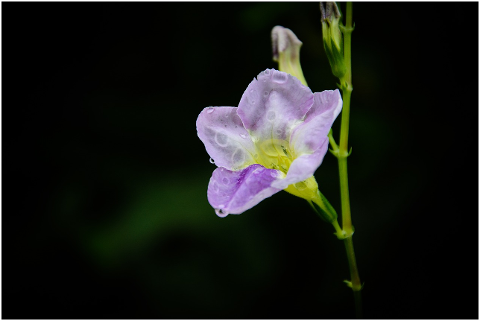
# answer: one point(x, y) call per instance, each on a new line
point(255, 156)
point(238, 157)
point(210, 110)
point(267, 72)
point(273, 174)
point(243, 136)
point(225, 180)
point(280, 77)
point(271, 115)
point(212, 161)
point(215, 187)
point(221, 139)
point(265, 94)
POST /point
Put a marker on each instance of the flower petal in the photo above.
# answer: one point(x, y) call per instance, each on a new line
point(225, 138)
point(273, 104)
point(232, 192)
point(309, 135)
point(303, 167)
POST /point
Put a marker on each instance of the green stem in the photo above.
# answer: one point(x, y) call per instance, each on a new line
point(346, 86)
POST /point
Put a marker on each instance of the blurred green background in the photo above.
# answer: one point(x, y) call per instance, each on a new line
point(105, 212)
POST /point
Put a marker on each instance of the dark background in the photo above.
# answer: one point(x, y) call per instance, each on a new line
point(104, 178)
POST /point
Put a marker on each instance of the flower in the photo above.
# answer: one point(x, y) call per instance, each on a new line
point(274, 140)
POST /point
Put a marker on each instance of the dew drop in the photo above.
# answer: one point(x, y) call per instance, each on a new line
point(255, 156)
point(265, 94)
point(210, 110)
point(243, 136)
point(225, 180)
point(238, 157)
point(267, 72)
point(271, 115)
point(221, 139)
point(273, 174)
point(212, 161)
point(280, 77)
point(300, 186)
point(220, 212)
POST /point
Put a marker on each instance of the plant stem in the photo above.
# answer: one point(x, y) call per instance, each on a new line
point(346, 86)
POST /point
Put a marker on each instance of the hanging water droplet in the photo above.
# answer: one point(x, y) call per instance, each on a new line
point(280, 77)
point(220, 212)
point(210, 110)
point(212, 161)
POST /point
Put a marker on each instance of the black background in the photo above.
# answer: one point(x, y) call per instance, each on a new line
point(104, 179)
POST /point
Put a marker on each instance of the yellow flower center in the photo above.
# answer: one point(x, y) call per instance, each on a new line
point(277, 154)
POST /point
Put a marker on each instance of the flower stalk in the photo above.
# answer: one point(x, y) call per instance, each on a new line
point(341, 152)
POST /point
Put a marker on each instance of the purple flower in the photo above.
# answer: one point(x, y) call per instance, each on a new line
point(274, 140)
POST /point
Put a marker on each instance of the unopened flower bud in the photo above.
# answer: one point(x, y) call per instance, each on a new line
point(286, 51)
point(332, 37)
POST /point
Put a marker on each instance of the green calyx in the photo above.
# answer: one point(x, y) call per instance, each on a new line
point(323, 208)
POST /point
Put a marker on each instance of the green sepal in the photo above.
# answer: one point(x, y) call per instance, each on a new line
point(323, 208)
point(335, 58)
